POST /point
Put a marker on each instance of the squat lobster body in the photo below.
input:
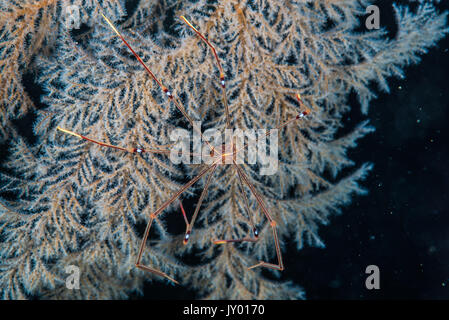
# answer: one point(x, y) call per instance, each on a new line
point(223, 154)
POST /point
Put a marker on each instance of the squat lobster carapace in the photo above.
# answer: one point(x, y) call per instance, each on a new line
point(225, 155)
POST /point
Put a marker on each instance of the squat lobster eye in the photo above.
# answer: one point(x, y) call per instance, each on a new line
point(256, 232)
point(306, 111)
point(186, 237)
point(303, 114)
point(222, 80)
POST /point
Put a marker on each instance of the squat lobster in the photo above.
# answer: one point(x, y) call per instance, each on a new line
point(225, 154)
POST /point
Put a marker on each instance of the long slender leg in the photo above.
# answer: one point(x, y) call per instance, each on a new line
point(248, 210)
point(300, 115)
point(130, 150)
point(183, 213)
point(159, 82)
point(280, 265)
point(250, 218)
point(189, 226)
point(222, 76)
point(158, 212)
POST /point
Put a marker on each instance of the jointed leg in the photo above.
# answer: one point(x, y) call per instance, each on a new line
point(189, 226)
point(302, 114)
point(159, 82)
point(222, 76)
point(130, 150)
point(280, 265)
point(245, 198)
point(250, 218)
point(158, 212)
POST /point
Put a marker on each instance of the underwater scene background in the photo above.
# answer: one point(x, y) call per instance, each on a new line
point(400, 225)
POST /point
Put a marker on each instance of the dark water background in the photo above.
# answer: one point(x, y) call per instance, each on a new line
point(402, 225)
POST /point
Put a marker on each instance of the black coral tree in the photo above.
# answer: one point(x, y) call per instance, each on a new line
point(77, 203)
